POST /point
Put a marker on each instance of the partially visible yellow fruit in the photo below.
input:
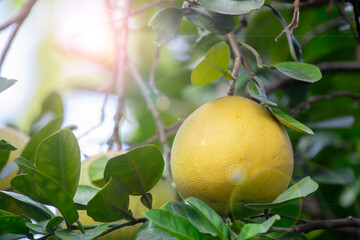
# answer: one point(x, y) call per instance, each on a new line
point(18, 140)
point(229, 152)
point(162, 193)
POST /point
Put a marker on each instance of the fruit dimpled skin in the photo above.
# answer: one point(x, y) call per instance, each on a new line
point(229, 152)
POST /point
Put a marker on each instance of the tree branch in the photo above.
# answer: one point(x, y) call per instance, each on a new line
point(238, 55)
point(145, 89)
point(297, 109)
point(325, 68)
point(18, 21)
point(153, 71)
point(323, 224)
point(119, 74)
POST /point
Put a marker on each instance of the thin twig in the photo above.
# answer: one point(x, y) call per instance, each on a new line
point(323, 224)
point(297, 109)
point(346, 19)
point(18, 21)
point(238, 55)
point(325, 68)
point(145, 89)
point(294, 22)
point(119, 73)
point(153, 71)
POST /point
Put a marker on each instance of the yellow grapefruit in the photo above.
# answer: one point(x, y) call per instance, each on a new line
point(229, 152)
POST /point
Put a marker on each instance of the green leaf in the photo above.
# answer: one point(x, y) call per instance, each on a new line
point(192, 214)
point(259, 94)
point(213, 219)
point(300, 71)
point(42, 212)
point(110, 204)
point(24, 184)
point(349, 195)
point(6, 83)
point(165, 24)
point(58, 157)
point(250, 230)
point(237, 225)
point(139, 169)
point(5, 146)
point(52, 223)
point(301, 189)
point(53, 105)
point(83, 195)
point(232, 7)
point(150, 231)
point(50, 128)
point(68, 235)
point(96, 169)
point(36, 228)
point(12, 223)
point(54, 192)
point(214, 65)
point(210, 21)
point(289, 121)
point(177, 226)
point(147, 200)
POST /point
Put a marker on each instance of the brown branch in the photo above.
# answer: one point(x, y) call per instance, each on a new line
point(294, 22)
point(145, 89)
point(297, 109)
point(18, 21)
point(238, 55)
point(323, 224)
point(325, 68)
point(119, 74)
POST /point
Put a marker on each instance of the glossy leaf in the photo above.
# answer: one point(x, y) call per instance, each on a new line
point(250, 230)
point(300, 71)
point(6, 83)
point(146, 200)
point(12, 223)
point(177, 226)
point(165, 24)
point(150, 231)
point(289, 121)
point(5, 146)
point(110, 204)
point(50, 128)
point(214, 65)
point(213, 219)
point(55, 193)
point(83, 195)
point(301, 189)
point(55, 221)
point(192, 214)
point(58, 157)
point(96, 169)
point(36, 228)
point(210, 21)
point(259, 94)
point(41, 210)
point(139, 169)
point(24, 184)
point(68, 235)
point(232, 7)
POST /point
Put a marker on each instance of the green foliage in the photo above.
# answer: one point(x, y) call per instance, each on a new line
point(299, 71)
point(68, 235)
point(232, 7)
point(139, 169)
point(213, 66)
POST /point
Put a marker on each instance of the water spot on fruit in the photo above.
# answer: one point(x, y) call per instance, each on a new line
point(235, 174)
point(203, 142)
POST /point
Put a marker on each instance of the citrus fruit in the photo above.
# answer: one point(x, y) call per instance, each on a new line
point(162, 193)
point(229, 152)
